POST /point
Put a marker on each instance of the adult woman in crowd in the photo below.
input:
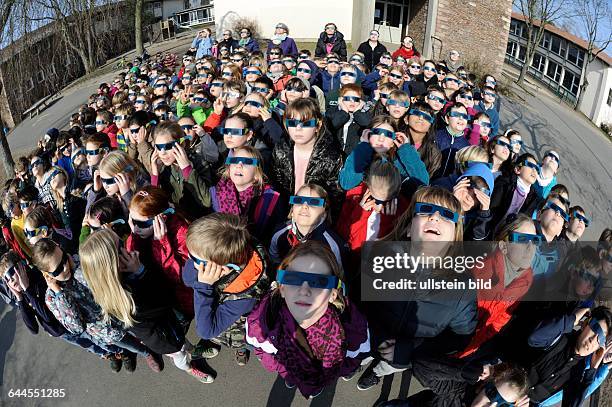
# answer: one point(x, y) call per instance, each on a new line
point(282, 40)
point(331, 41)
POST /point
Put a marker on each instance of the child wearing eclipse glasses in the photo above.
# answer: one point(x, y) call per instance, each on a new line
point(305, 329)
point(433, 219)
point(228, 272)
point(158, 234)
point(174, 168)
point(243, 190)
point(383, 140)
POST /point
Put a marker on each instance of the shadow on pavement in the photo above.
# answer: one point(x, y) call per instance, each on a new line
point(281, 396)
point(7, 327)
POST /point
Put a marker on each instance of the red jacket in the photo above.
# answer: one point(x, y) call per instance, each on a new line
point(11, 242)
point(495, 306)
point(169, 254)
point(405, 53)
point(353, 222)
point(111, 132)
point(213, 121)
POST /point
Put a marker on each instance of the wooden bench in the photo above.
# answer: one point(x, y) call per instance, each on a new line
point(39, 106)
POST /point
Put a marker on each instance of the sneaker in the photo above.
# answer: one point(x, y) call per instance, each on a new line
point(204, 349)
point(200, 375)
point(115, 363)
point(368, 379)
point(242, 357)
point(289, 385)
point(155, 362)
point(129, 361)
point(316, 395)
point(350, 376)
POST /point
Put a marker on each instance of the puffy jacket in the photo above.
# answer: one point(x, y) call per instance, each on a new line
point(263, 330)
point(338, 48)
point(353, 222)
point(327, 82)
point(406, 53)
point(251, 46)
point(495, 305)
point(169, 255)
point(323, 168)
point(435, 320)
point(221, 308)
point(407, 161)
point(287, 47)
point(337, 119)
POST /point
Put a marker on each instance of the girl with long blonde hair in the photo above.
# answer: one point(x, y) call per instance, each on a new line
point(136, 297)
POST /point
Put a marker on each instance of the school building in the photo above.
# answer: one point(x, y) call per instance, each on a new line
point(558, 64)
point(476, 28)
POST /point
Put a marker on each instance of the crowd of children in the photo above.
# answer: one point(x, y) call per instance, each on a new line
point(236, 192)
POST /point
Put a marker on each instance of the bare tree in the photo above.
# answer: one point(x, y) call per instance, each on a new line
point(538, 14)
point(6, 8)
point(593, 16)
point(138, 27)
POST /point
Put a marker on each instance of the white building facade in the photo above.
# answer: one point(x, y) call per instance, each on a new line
point(559, 64)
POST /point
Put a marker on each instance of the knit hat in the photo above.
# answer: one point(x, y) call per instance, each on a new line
point(314, 70)
point(283, 26)
point(481, 170)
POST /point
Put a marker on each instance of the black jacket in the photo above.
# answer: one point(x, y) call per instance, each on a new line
point(433, 321)
point(555, 365)
point(156, 323)
point(34, 310)
point(323, 168)
point(230, 43)
point(336, 119)
point(419, 85)
point(283, 240)
point(371, 56)
point(339, 47)
point(502, 197)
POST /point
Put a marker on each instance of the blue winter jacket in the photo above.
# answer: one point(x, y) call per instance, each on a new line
point(407, 160)
point(213, 318)
point(327, 82)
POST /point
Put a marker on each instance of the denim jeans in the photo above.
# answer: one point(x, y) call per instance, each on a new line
point(84, 341)
point(133, 345)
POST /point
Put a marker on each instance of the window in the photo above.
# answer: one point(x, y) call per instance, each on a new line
point(40, 76)
point(609, 102)
point(575, 55)
point(515, 27)
point(539, 62)
point(553, 71)
point(30, 84)
point(187, 4)
point(571, 82)
point(522, 52)
point(545, 42)
point(555, 45)
point(511, 48)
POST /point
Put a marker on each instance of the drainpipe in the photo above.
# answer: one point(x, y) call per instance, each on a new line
point(430, 29)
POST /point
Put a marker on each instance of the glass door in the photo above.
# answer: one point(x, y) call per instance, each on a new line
point(389, 18)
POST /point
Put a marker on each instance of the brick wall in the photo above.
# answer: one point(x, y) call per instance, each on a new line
point(478, 29)
point(418, 22)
